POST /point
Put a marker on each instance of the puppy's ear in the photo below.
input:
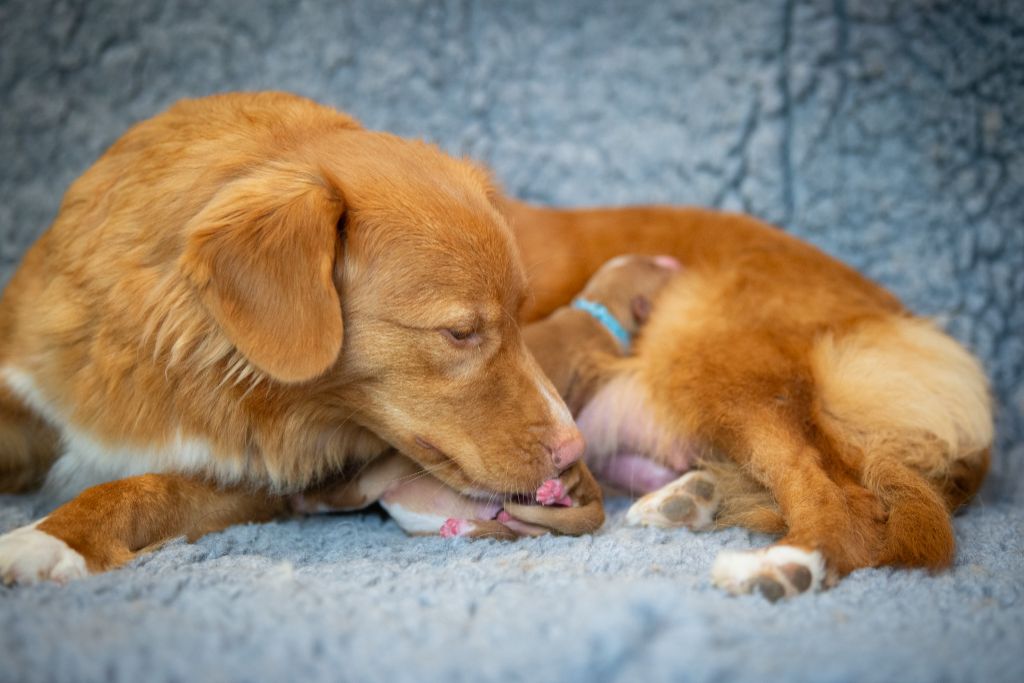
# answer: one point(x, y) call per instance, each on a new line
point(640, 306)
point(262, 255)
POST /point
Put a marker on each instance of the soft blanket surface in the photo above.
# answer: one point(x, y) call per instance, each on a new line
point(353, 599)
point(887, 132)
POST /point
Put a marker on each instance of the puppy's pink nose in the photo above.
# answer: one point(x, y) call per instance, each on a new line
point(567, 452)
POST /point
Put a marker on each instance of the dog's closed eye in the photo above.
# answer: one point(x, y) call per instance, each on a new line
point(461, 337)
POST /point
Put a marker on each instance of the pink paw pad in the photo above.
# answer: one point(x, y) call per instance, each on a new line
point(454, 527)
point(503, 516)
point(552, 492)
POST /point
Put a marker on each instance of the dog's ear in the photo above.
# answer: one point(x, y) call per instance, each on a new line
point(262, 255)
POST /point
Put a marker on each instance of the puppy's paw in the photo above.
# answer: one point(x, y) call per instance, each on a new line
point(690, 501)
point(581, 511)
point(553, 492)
point(28, 555)
point(780, 571)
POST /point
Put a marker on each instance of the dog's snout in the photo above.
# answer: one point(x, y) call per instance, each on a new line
point(568, 450)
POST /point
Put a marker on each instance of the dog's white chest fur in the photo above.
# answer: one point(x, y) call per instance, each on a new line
point(86, 462)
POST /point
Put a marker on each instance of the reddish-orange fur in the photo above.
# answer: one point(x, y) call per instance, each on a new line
point(844, 421)
point(196, 309)
point(145, 314)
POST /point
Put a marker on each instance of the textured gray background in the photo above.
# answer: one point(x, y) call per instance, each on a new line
point(888, 133)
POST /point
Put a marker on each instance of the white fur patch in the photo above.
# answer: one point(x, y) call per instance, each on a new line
point(896, 380)
point(28, 555)
point(22, 384)
point(617, 262)
point(301, 504)
point(87, 462)
point(559, 411)
point(677, 505)
point(413, 522)
point(742, 572)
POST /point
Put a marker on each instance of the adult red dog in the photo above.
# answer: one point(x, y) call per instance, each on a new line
point(249, 293)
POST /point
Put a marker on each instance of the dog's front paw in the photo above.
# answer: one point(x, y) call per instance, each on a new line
point(780, 571)
point(28, 555)
point(690, 501)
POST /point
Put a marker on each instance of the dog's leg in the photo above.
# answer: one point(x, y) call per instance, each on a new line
point(690, 501)
point(28, 446)
point(107, 525)
point(834, 524)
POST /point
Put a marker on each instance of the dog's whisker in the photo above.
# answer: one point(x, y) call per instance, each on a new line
point(423, 472)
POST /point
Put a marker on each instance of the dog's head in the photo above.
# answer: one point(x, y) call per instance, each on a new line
point(377, 273)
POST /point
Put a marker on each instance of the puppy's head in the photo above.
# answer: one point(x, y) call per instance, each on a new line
point(375, 272)
point(628, 285)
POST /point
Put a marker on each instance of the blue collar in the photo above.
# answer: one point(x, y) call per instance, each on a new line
point(601, 314)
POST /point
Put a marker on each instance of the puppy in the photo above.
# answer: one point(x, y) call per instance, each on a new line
point(247, 295)
point(573, 346)
point(838, 418)
point(573, 343)
point(576, 346)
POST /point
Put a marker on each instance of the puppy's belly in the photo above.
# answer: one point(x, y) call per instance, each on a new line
point(422, 505)
point(626, 447)
point(86, 461)
point(635, 474)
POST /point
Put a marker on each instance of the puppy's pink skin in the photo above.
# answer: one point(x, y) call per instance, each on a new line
point(668, 262)
point(620, 420)
point(552, 492)
point(453, 527)
point(636, 474)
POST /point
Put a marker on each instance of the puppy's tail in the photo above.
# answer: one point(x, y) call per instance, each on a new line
point(28, 445)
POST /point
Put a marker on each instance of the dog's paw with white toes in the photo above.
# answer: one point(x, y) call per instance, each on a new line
point(780, 571)
point(690, 501)
point(28, 555)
